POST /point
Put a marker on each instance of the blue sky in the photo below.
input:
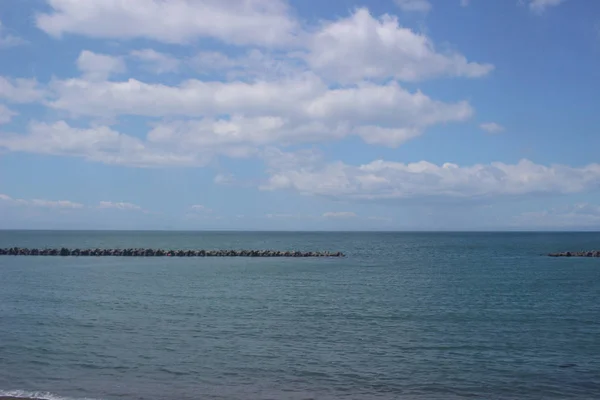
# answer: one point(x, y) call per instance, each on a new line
point(300, 114)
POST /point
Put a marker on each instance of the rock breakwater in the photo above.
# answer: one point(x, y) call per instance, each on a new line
point(592, 253)
point(140, 252)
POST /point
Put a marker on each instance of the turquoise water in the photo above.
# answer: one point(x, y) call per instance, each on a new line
point(404, 316)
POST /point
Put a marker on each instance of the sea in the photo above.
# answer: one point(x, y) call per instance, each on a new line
point(402, 316)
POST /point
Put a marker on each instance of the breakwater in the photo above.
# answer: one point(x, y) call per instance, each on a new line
point(17, 251)
point(593, 253)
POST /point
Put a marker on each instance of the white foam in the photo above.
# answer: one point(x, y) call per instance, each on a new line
point(23, 394)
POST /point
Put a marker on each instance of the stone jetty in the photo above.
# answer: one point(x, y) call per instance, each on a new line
point(18, 398)
point(592, 253)
point(18, 251)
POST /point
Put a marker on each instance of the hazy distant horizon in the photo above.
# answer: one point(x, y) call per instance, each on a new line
point(303, 230)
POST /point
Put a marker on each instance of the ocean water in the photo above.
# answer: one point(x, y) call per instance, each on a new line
point(404, 316)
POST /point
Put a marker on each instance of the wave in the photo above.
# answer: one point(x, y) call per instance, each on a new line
point(23, 394)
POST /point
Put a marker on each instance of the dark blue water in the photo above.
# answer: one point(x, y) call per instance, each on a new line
point(404, 316)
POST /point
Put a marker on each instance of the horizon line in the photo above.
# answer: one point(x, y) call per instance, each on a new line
point(521, 230)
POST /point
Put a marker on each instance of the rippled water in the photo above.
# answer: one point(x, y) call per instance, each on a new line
point(404, 316)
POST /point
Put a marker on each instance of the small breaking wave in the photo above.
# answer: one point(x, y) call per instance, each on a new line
point(23, 394)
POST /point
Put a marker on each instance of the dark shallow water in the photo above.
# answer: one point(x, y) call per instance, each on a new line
point(404, 316)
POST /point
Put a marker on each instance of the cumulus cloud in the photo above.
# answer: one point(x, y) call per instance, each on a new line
point(21, 90)
point(290, 85)
point(305, 96)
point(362, 46)
point(391, 137)
point(258, 97)
point(356, 47)
point(41, 203)
point(155, 61)
point(99, 66)
point(414, 5)
point(539, 6)
point(6, 114)
point(100, 144)
point(385, 180)
point(296, 110)
point(119, 206)
point(252, 65)
point(189, 98)
point(491, 127)
point(240, 22)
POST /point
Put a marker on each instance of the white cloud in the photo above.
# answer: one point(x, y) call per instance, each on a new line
point(7, 40)
point(212, 61)
point(20, 90)
point(464, 3)
point(100, 144)
point(224, 179)
point(339, 214)
point(119, 206)
point(241, 22)
point(169, 144)
point(381, 180)
point(6, 114)
point(391, 137)
point(99, 66)
point(219, 132)
point(42, 203)
point(414, 5)
point(539, 6)
point(252, 65)
point(349, 49)
point(296, 110)
point(362, 46)
point(189, 98)
point(235, 137)
point(491, 127)
point(277, 159)
point(159, 63)
point(268, 97)
point(388, 105)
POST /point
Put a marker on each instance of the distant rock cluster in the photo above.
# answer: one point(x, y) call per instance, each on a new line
point(17, 251)
point(593, 253)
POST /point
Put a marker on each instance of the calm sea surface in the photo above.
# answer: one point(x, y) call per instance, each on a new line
point(404, 316)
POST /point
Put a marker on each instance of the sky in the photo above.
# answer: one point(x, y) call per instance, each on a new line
point(300, 114)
